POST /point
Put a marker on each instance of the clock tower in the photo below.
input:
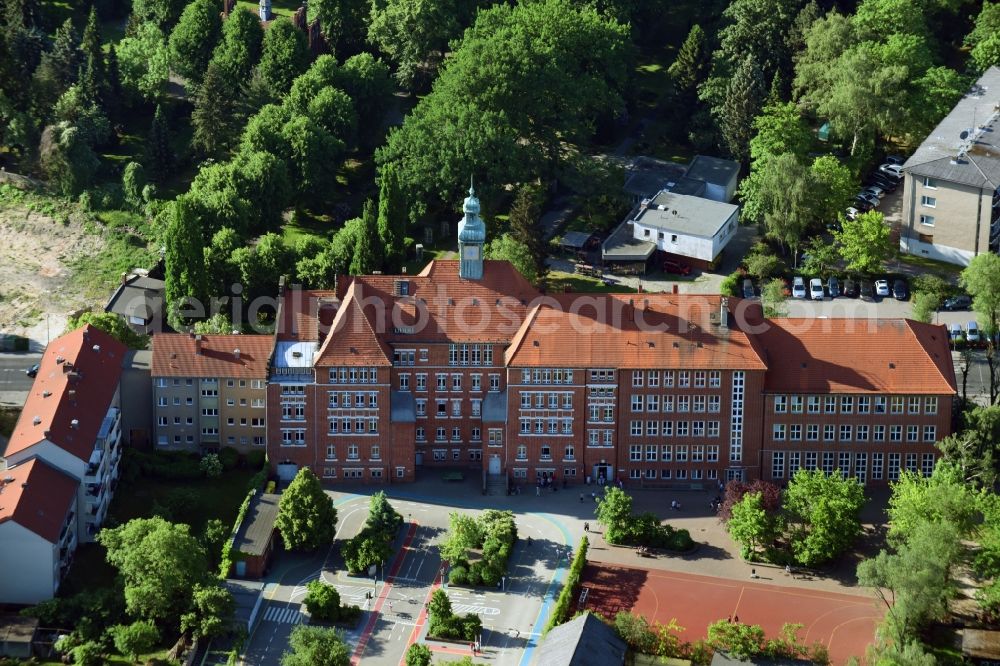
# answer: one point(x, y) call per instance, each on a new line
point(471, 236)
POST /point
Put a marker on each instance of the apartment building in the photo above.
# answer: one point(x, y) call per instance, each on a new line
point(210, 391)
point(467, 365)
point(951, 191)
point(38, 510)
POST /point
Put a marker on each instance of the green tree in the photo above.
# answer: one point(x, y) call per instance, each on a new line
point(284, 56)
point(65, 56)
point(322, 601)
point(161, 154)
point(833, 187)
point(751, 525)
point(367, 251)
point(773, 295)
point(367, 548)
point(692, 63)
point(614, 511)
point(144, 63)
point(526, 229)
point(762, 263)
point(507, 248)
point(66, 158)
point(738, 640)
point(413, 34)
point(133, 182)
point(159, 562)
point(439, 607)
point(315, 645)
point(823, 514)
point(212, 119)
point(823, 257)
point(925, 306)
point(942, 497)
point(80, 110)
point(194, 38)
point(306, 518)
point(92, 52)
point(217, 324)
point(343, 23)
point(785, 201)
point(162, 13)
point(135, 639)
point(367, 81)
point(985, 37)
point(979, 278)
point(112, 324)
point(211, 611)
point(464, 533)
point(184, 259)
point(392, 212)
point(972, 449)
point(382, 517)
point(239, 48)
point(864, 242)
point(419, 654)
point(744, 100)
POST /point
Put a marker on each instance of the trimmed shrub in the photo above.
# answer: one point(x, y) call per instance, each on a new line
point(458, 575)
point(561, 610)
point(256, 459)
point(229, 457)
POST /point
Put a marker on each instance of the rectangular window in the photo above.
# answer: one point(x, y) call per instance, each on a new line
point(652, 403)
point(651, 453)
point(794, 462)
point(878, 433)
point(714, 404)
point(653, 378)
point(864, 404)
point(635, 453)
point(813, 404)
point(682, 454)
point(894, 466)
point(828, 462)
point(895, 433)
point(780, 404)
point(930, 434)
point(930, 183)
point(699, 378)
point(796, 404)
point(666, 453)
point(927, 220)
point(668, 378)
point(795, 432)
point(812, 432)
point(928, 202)
point(927, 465)
point(846, 404)
point(844, 463)
point(778, 465)
point(778, 433)
point(668, 403)
point(828, 432)
point(930, 405)
point(913, 404)
point(712, 454)
point(830, 404)
point(684, 379)
point(714, 379)
point(635, 428)
point(877, 459)
point(862, 433)
point(637, 377)
point(683, 403)
point(897, 404)
point(636, 403)
point(845, 433)
point(912, 433)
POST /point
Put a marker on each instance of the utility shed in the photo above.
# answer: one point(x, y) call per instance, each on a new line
point(981, 646)
point(16, 636)
point(254, 539)
point(585, 641)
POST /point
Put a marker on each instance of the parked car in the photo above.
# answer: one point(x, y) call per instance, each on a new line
point(972, 332)
point(865, 290)
point(887, 183)
point(833, 286)
point(798, 287)
point(881, 288)
point(898, 160)
point(851, 288)
point(892, 170)
point(900, 290)
point(957, 302)
point(32, 371)
point(852, 213)
point(676, 267)
point(872, 200)
point(955, 332)
point(863, 204)
point(748, 288)
point(816, 289)
point(874, 190)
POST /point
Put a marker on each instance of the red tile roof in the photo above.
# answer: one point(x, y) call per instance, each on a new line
point(176, 355)
point(77, 380)
point(37, 497)
point(441, 306)
point(631, 331)
point(857, 356)
point(303, 312)
point(352, 340)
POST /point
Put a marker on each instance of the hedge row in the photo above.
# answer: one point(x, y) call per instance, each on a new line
point(564, 604)
point(228, 556)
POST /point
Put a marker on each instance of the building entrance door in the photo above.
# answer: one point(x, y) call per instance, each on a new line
point(494, 464)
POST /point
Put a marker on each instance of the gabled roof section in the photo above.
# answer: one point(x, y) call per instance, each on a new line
point(352, 340)
point(306, 314)
point(37, 496)
point(76, 383)
point(180, 355)
point(857, 356)
point(438, 305)
point(632, 331)
point(583, 641)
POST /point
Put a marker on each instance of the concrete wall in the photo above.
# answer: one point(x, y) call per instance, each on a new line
point(30, 565)
point(961, 213)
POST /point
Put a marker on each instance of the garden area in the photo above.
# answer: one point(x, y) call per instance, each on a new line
point(444, 624)
point(478, 548)
point(623, 528)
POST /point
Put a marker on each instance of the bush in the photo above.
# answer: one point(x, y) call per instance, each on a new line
point(730, 284)
point(211, 466)
point(256, 459)
point(229, 457)
point(561, 610)
point(322, 601)
point(476, 573)
point(419, 655)
point(88, 654)
point(680, 540)
point(458, 575)
point(471, 626)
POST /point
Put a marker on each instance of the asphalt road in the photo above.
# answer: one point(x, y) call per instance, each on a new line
point(12, 367)
point(513, 617)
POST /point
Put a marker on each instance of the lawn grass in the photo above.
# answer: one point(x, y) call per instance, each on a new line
point(278, 7)
point(305, 224)
point(560, 281)
point(925, 264)
point(97, 275)
point(8, 419)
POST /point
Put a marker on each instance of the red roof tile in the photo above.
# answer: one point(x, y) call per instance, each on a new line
point(303, 312)
point(631, 331)
point(857, 356)
point(37, 497)
point(77, 380)
point(352, 340)
point(176, 355)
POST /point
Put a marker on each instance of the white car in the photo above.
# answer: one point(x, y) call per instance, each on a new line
point(798, 287)
point(816, 289)
point(872, 200)
point(955, 332)
point(852, 213)
point(881, 287)
point(893, 170)
point(972, 332)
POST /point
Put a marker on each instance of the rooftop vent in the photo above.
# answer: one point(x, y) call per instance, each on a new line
point(75, 423)
point(650, 344)
point(37, 420)
point(677, 345)
point(534, 342)
point(72, 394)
point(236, 353)
point(892, 366)
point(8, 479)
point(46, 394)
point(59, 360)
point(97, 349)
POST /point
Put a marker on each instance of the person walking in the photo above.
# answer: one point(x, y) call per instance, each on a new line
point(586, 527)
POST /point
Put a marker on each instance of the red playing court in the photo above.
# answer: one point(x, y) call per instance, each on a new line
point(844, 623)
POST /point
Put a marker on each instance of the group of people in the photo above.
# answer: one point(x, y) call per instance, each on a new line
point(716, 503)
point(675, 505)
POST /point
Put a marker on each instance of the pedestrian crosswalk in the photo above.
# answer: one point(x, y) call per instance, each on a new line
point(282, 615)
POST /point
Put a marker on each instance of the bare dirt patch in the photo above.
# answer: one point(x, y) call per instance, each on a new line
point(37, 251)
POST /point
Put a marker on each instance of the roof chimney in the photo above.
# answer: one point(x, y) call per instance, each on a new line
point(97, 349)
point(37, 420)
point(236, 353)
point(75, 423)
point(197, 344)
point(724, 312)
point(46, 394)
